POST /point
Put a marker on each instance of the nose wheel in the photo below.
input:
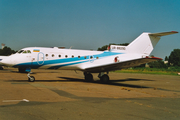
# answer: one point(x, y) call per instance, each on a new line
point(30, 78)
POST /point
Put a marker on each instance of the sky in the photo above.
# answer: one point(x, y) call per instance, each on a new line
point(88, 24)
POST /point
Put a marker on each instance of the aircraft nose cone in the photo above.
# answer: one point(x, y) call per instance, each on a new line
point(0, 62)
point(6, 62)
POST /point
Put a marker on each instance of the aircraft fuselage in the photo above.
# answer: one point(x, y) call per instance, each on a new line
point(55, 58)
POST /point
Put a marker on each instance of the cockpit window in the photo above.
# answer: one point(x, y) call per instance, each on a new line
point(24, 51)
point(28, 51)
point(20, 51)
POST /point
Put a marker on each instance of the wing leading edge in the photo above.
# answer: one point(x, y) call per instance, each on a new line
point(121, 65)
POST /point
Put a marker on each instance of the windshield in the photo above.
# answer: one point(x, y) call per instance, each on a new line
point(20, 51)
point(24, 51)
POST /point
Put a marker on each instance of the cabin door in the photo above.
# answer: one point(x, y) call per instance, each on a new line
point(40, 58)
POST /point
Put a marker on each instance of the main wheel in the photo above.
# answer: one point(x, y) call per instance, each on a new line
point(104, 78)
point(1, 68)
point(31, 79)
point(88, 77)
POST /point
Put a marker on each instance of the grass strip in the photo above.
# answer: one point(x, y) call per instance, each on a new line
point(148, 71)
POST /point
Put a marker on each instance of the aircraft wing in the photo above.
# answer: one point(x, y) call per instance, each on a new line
point(121, 65)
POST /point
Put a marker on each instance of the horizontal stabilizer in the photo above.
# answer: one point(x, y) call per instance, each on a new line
point(163, 33)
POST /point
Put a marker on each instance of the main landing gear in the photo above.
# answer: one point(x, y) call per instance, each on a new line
point(104, 78)
point(88, 77)
point(30, 78)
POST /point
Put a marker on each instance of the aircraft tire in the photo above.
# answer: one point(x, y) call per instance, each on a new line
point(1, 68)
point(31, 79)
point(88, 77)
point(104, 78)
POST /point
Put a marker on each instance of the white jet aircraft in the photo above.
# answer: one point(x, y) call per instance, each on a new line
point(115, 58)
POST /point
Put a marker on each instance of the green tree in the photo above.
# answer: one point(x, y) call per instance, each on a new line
point(157, 64)
point(6, 51)
point(174, 58)
point(166, 58)
point(103, 48)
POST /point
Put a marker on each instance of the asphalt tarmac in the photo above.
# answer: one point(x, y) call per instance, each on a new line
point(64, 95)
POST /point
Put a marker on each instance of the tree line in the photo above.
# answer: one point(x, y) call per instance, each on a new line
point(7, 51)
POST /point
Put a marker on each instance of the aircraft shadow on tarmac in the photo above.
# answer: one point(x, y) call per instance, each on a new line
point(116, 83)
point(111, 82)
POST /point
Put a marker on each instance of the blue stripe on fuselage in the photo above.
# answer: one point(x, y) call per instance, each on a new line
point(66, 61)
point(68, 64)
point(105, 54)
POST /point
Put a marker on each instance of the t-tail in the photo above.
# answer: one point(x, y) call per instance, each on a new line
point(144, 44)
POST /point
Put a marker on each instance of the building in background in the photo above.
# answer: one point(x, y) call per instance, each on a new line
point(2, 45)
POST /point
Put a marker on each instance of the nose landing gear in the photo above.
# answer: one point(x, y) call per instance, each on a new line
point(30, 78)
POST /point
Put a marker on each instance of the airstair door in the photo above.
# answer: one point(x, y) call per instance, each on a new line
point(40, 58)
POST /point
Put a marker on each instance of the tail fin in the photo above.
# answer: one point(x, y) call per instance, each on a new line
point(145, 43)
